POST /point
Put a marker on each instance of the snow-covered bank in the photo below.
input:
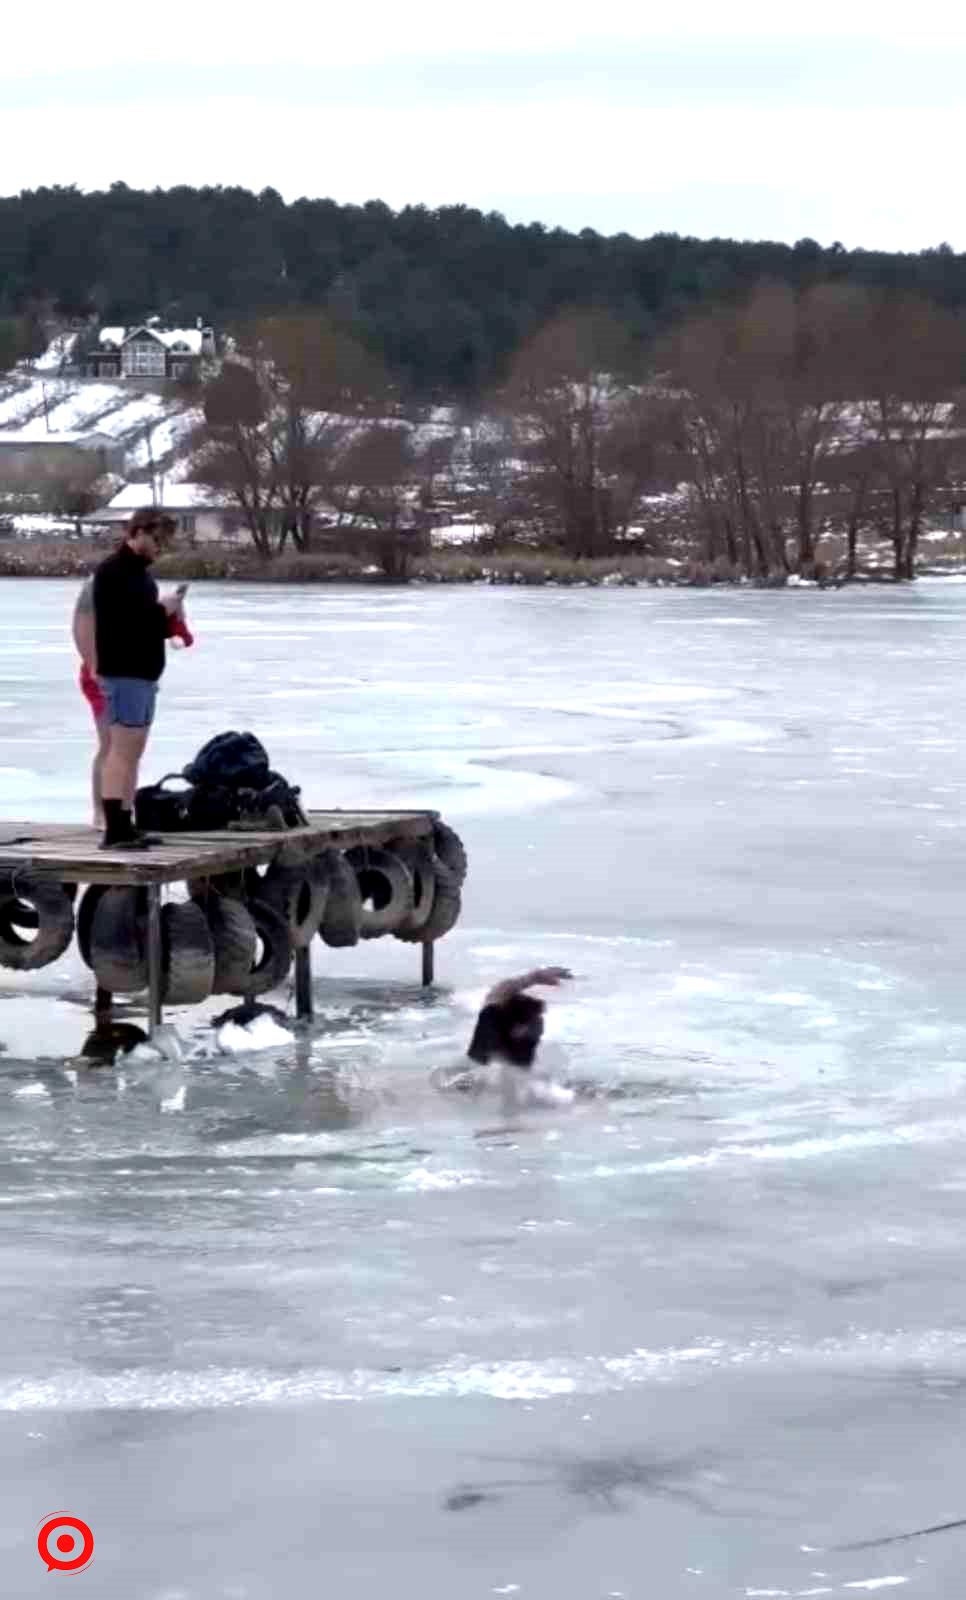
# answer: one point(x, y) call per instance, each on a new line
point(154, 427)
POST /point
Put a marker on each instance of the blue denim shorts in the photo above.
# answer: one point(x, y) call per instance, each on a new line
point(130, 701)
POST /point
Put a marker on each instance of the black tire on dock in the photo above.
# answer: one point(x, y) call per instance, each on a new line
point(385, 886)
point(342, 920)
point(25, 916)
point(235, 942)
point(22, 891)
point(450, 849)
point(187, 954)
point(418, 858)
point(299, 895)
point(90, 900)
point(447, 904)
point(118, 940)
point(275, 957)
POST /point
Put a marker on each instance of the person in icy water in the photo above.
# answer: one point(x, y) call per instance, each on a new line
point(508, 1031)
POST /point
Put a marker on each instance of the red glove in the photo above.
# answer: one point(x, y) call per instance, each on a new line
point(178, 629)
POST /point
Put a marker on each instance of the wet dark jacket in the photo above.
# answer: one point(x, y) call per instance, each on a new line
point(130, 623)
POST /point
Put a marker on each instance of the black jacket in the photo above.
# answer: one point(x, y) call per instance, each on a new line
point(130, 623)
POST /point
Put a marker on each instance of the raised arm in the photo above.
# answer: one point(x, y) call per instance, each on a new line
point(551, 976)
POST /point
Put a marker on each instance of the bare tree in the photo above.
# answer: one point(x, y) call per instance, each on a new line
point(233, 452)
point(380, 492)
point(436, 458)
point(495, 497)
point(719, 365)
point(853, 475)
point(567, 394)
point(72, 489)
point(637, 454)
point(278, 420)
point(321, 386)
point(914, 413)
point(765, 388)
point(822, 331)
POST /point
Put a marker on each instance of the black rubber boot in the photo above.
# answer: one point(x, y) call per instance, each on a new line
point(119, 832)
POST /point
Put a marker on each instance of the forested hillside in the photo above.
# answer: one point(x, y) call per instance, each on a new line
point(443, 296)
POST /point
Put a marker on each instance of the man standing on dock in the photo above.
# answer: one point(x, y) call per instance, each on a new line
point(130, 627)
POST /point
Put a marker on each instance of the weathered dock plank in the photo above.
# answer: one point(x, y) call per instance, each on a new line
point(69, 852)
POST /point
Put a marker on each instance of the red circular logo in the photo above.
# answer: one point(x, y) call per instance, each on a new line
point(65, 1544)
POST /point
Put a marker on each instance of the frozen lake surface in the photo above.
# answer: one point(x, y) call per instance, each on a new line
point(296, 1325)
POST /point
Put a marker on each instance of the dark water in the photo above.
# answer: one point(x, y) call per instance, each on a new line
point(295, 1324)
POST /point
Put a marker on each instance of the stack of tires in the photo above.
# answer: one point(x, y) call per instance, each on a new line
point(411, 888)
point(112, 935)
point(237, 933)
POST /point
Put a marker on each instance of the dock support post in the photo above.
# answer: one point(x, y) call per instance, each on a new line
point(429, 962)
point(303, 982)
point(154, 956)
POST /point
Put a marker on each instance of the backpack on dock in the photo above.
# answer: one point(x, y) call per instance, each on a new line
point(230, 761)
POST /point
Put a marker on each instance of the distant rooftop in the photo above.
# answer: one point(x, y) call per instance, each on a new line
point(32, 435)
point(171, 496)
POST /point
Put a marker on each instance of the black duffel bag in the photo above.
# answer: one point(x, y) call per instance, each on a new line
point(191, 809)
point(230, 761)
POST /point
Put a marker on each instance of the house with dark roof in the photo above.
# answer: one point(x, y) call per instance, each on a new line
point(150, 351)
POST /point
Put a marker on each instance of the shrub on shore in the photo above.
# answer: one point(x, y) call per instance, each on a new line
point(51, 558)
point(522, 565)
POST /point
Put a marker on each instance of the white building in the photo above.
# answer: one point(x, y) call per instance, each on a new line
point(204, 516)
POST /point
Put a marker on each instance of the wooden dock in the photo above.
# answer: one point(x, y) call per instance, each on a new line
point(69, 853)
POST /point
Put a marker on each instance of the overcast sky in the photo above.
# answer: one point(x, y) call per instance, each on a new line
point(840, 120)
